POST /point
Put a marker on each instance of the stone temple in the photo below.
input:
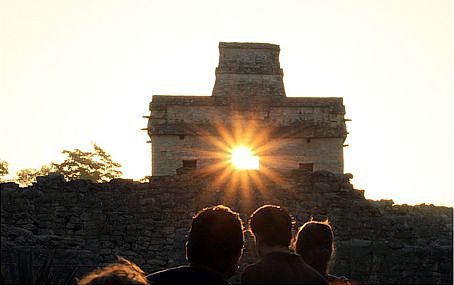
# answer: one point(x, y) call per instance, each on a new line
point(249, 107)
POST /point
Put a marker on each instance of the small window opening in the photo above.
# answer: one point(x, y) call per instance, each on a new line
point(190, 163)
point(307, 166)
point(181, 137)
point(308, 140)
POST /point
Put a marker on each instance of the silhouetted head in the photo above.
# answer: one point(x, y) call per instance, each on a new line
point(315, 243)
point(124, 272)
point(216, 240)
point(271, 225)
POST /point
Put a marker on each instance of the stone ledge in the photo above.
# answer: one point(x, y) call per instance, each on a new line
point(250, 45)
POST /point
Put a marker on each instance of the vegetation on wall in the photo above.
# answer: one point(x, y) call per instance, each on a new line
point(96, 165)
point(3, 169)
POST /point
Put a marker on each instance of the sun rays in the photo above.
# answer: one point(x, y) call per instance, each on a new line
point(242, 154)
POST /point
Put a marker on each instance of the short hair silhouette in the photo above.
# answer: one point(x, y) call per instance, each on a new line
point(315, 243)
point(215, 238)
point(273, 224)
point(124, 272)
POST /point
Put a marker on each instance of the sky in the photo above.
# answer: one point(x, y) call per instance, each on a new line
point(82, 71)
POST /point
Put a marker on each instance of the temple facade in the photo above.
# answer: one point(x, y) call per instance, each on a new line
point(248, 107)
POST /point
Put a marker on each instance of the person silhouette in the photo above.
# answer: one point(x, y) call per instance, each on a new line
point(123, 272)
point(315, 244)
point(213, 249)
point(271, 227)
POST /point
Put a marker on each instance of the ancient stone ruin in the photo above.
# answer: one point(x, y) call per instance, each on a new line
point(248, 106)
point(88, 224)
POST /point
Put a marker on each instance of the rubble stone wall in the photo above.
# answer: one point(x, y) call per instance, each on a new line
point(88, 224)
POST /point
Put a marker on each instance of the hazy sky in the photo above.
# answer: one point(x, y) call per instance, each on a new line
point(73, 72)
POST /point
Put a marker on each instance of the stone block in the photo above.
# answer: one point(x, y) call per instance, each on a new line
point(322, 187)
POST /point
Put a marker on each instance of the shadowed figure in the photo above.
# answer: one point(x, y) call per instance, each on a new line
point(272, 229)
point(124, 272)
point(315, 243)
point(213, 249)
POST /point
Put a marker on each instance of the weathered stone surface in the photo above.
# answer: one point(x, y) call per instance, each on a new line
point(322, 187)
point(377, 241)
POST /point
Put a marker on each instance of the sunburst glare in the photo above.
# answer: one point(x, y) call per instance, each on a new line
point(236, 148)
point(243, 158)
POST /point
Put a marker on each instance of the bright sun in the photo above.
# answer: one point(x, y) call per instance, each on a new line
point(243, 158)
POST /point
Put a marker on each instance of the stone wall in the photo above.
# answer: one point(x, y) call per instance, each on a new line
point(87, 224)
point(173, 150)
point(248, 69)
point(324, 153)
point(283, 135)
point(205, 113)
point(170, 151)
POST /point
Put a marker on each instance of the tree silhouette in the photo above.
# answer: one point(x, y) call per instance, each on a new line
point(96, 165)
point(27, 176)
point(3, 169)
